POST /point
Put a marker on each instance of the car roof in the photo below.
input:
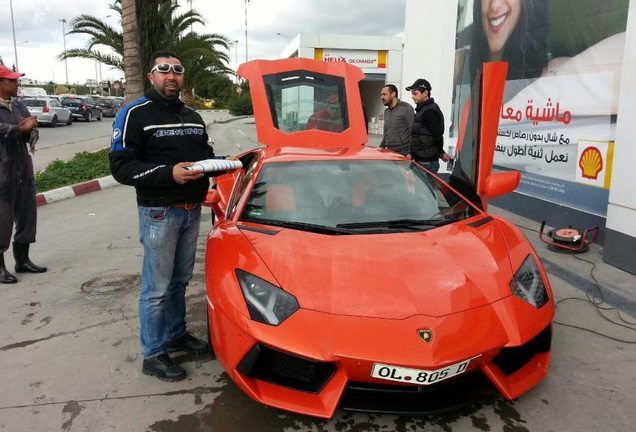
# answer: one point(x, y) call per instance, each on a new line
point(43, 98)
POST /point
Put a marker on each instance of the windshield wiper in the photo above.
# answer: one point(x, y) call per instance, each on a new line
point(399, 223)
point(303, 226)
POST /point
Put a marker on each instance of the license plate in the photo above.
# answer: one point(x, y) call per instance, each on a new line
point(418, 376)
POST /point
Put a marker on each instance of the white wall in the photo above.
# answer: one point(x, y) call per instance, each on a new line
point(621, 212)
point(429, 50)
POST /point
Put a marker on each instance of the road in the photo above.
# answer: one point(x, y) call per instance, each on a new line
point(79, 131)
point(63, 142)
point(70, 356)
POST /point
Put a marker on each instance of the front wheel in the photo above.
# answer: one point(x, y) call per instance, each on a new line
point(99, 116)
point(89, 117)
point(54, 121)
point(70, 120)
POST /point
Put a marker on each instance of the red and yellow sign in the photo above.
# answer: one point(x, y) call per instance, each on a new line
point(365, 59)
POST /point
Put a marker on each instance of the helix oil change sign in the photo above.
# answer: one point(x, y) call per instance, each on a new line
point(364, 59)
point(558, 118)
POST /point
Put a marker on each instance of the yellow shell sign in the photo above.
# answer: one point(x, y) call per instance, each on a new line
point(594, 165)
point(591, 163)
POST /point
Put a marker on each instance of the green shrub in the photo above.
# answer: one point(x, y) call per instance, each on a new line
point(241, 105)
point(83, 167)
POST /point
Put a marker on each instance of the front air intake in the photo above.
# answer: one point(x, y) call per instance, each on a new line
point(277, 367)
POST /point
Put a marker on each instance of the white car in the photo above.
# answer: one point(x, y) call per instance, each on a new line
point(49, 111)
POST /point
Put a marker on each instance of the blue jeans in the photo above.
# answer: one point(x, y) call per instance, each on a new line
point(431, 166)
point(169, 238)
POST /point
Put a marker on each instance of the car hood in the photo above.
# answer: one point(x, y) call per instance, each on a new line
point(437, 272)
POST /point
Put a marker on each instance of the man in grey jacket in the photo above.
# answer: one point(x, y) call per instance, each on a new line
point(398, 121)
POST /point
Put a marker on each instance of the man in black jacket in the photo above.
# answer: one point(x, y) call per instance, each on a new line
point(427, 135)
point(155, 138)
point(17, 185)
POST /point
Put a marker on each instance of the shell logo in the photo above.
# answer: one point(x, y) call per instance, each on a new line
point(591, 163)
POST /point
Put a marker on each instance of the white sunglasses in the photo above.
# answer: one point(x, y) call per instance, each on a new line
point(167, 67)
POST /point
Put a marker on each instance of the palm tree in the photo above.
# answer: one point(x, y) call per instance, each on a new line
point(201, 54)
point(129, 49)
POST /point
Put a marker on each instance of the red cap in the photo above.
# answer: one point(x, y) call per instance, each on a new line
point(5, 72)
point(332, 99)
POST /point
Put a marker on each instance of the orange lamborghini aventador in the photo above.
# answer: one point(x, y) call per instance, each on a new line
point(344, 276)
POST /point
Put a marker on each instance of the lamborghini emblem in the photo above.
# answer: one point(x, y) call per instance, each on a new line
point(425, 334)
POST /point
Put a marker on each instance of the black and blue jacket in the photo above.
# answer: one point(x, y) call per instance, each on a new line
point(150, 136)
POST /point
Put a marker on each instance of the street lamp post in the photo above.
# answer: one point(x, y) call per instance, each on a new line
point(246, 57)
point(15, 46)
point(63, 21)
point(236, 58)
point(99, 64)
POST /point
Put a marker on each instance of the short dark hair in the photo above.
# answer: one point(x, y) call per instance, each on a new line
point(392, 89)
point(161, 53)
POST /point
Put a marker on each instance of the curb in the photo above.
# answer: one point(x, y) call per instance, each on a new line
point(72, 191)
point(230, 119)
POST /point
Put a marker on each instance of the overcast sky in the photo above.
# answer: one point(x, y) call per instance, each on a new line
point(37, 21)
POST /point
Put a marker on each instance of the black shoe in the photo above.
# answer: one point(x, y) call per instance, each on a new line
point(5, 276)
point(163, 368)
point(188, 343)
point(22, 262)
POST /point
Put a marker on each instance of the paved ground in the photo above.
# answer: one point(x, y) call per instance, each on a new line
point(70, 362)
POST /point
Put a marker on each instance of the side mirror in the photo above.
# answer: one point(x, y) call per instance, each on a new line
point(213, 200)
point(501, 183)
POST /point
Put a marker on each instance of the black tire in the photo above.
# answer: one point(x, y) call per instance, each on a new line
point(99, 116)
point(70, 120)
point(89, 117)
point(54, 121)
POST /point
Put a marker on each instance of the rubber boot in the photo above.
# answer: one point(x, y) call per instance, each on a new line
point(22, 262)
point(5, 276)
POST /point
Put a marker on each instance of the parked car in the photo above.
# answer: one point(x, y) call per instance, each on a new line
point(49, 111)
point(83, 107)
point(110, 106)
point(341, 275)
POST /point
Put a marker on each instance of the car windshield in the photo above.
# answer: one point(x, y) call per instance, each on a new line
point(104, 101)
point(350, 197)
point(34, 102)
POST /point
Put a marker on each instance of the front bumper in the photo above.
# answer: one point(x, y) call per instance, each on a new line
point(316, 362)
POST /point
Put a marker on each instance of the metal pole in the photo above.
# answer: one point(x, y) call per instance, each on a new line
point(96, 78)
point(63, 21)
point(246, 56)
point(15, 46)
point(236, 58)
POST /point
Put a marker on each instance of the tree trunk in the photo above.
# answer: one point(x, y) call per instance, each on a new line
point(132, 55)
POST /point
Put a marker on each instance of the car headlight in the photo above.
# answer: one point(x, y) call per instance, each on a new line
point(266, 303)
point(528, 285)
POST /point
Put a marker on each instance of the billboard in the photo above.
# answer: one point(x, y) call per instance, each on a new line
point(558, 118)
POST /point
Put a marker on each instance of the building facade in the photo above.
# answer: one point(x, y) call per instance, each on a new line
point(567, 118)
point(380, 58)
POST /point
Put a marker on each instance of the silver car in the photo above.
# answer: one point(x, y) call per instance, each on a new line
point(48, 110)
